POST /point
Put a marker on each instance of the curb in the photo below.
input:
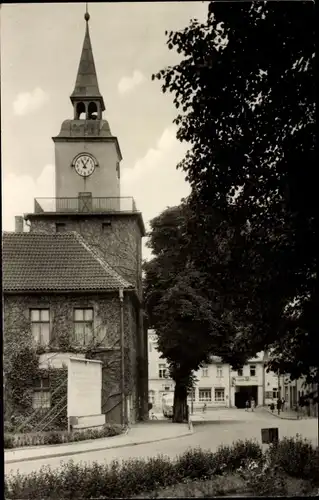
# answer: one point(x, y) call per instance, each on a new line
point(122, 445)
point(190, 427)
point(283, 418)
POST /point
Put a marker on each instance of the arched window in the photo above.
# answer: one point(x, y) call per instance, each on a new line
point(92, 111)
point(80, 111)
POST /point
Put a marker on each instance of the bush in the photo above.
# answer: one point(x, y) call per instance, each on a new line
point(262, 478)
point(57, 437)
point(296, 457)
point(218, 486)
point(195, 464)
point(261, 474)
point(230, 458)
point(8, 441)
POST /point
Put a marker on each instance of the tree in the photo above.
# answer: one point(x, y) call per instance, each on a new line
point(188, 323)
point(169, 309)
point(246, 90)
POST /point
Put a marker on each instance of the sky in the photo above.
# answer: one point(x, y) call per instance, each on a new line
point(40, 51)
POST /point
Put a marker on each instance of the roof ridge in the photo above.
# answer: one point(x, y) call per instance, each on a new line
point(29, 233)
point(106, 266)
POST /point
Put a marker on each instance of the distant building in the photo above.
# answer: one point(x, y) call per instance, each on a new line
point(272, 384)
point(212, 386)
point(249, 382)
point(217, 384)
point(297, 390)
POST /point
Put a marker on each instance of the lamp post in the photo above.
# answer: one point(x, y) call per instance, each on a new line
point(192, 399)
point(279, 388)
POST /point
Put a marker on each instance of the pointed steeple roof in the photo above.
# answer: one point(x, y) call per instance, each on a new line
point(86, 85)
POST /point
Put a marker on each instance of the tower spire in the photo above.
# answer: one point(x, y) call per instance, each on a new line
point(86, 85)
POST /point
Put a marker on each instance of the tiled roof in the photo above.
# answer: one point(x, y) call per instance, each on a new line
point(55, 262)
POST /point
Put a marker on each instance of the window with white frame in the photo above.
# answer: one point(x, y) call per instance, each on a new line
point(83, 325)
point(219, 371)
point(275, 393)
point(205, 371)
point(252, 370)
point(191, 394)
point(205, 395)
point(220, 394)
point(162, 370)
point(151, 397)
point(41, 397)
point(40, 325)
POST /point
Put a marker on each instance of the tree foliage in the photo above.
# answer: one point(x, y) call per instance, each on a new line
point(177, 308)
point(189, 322)
point(245, 90)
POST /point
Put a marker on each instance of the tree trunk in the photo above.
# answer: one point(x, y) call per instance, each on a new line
point(180, 403)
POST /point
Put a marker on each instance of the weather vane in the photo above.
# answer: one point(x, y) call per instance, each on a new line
point(86, 15)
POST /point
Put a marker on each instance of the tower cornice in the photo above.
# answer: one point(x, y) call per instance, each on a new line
point(88, 139)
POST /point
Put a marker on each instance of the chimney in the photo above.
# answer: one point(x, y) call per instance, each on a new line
point(18, 224)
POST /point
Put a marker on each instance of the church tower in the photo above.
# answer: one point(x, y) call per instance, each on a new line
point(87, 178)
point(87, 155)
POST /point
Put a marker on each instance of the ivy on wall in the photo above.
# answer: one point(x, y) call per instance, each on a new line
point(22, 369)
point(21, 355)
point(22, 376)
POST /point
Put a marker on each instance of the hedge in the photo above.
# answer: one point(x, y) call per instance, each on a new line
point(56, 437)
point(135, 476)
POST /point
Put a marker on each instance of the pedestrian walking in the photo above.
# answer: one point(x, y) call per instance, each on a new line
point(283, 404)
point(272, 407)
point(278, 406)
point(204, 407)
point(247, 405)
point(253, 404)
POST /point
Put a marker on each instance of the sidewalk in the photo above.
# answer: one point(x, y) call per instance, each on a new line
point(287, 414)
point(140, 433)
point(220, 415)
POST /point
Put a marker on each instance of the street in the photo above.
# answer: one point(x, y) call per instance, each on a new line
point(211, 429)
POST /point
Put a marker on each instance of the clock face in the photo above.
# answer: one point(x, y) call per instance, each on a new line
point(84, 164)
